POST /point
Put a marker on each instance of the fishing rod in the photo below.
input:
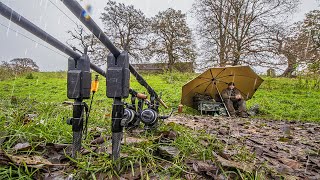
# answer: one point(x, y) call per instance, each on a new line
point(79, 12)
point(78, 76)
point(117, 80)
point(18, 19)
point(79, 79)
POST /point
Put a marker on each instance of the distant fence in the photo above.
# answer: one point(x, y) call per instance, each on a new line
point(162, 67)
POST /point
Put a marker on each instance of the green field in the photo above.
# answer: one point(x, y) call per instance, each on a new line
point(278, 98)
point(42, 94)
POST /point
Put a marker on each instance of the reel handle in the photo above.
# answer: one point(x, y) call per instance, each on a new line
point(141, 96)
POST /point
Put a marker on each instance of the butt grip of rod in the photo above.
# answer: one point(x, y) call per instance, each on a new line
point(163, 103)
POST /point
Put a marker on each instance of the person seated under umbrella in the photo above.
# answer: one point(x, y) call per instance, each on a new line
point(234, 101)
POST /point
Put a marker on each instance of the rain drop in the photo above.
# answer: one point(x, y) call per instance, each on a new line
point(9, 24)
point(13, 87)
point(46, 5)
point(25, 52)
point(8, 28)
point(59, 20)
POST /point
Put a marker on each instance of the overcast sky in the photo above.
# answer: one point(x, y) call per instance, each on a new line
point(45, 15)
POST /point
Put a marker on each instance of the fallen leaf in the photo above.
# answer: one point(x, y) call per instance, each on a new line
point(291, 163)
point(288, 177)
point(170, 135)
point(107, 115)
point(101, 175)
point(84, 151)
point(204, 143)
point(132, 140)
point(168, 151)
point(4, 159)
point(57, 147)
point(201, 166)
point(135, 174)
point(226, 154)
point(223, 131)
point(193, 177)
point(100, 140)
point(284, 169)
point(57, 175)
point(33, 160)
point(22, 146)
point(56, 157)
point(228, 163)
point(108, 150)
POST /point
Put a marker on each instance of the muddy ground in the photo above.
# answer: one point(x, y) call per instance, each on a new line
point(279, 149)
point(289, 148)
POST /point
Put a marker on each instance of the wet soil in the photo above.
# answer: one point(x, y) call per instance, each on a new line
point(289, 148)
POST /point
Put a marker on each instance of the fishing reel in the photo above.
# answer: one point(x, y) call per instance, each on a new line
point(134, 114)
point(150, 117)
point(129, 119)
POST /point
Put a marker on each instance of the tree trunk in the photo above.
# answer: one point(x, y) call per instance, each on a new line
point(292, 63)
point(236, 57)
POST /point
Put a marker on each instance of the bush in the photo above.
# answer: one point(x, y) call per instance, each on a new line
point(30, 76)
point(5, 73)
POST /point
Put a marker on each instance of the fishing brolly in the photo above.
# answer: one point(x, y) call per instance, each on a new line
point(214, 80)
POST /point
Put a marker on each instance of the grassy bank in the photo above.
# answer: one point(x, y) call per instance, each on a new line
point(278, 98)
point(42, 95)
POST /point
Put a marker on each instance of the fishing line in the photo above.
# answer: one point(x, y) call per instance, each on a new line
point(33, 40)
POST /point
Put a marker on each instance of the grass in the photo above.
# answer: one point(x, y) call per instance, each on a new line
point(288, 99)
point(42, 94)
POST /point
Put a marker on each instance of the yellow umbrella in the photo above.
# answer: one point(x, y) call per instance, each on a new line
point(214, 80)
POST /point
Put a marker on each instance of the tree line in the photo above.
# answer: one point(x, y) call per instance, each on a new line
point(166, 37)
point(228, 32)
point(17, 66)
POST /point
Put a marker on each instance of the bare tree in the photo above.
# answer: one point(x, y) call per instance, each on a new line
point(239, 30)
point(299, 46)
point(214, 35)
point(128, 27)
point(86, 43)
point(286, 45)
point(172, 38)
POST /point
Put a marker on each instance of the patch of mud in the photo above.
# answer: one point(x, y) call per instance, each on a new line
point(288, 148)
